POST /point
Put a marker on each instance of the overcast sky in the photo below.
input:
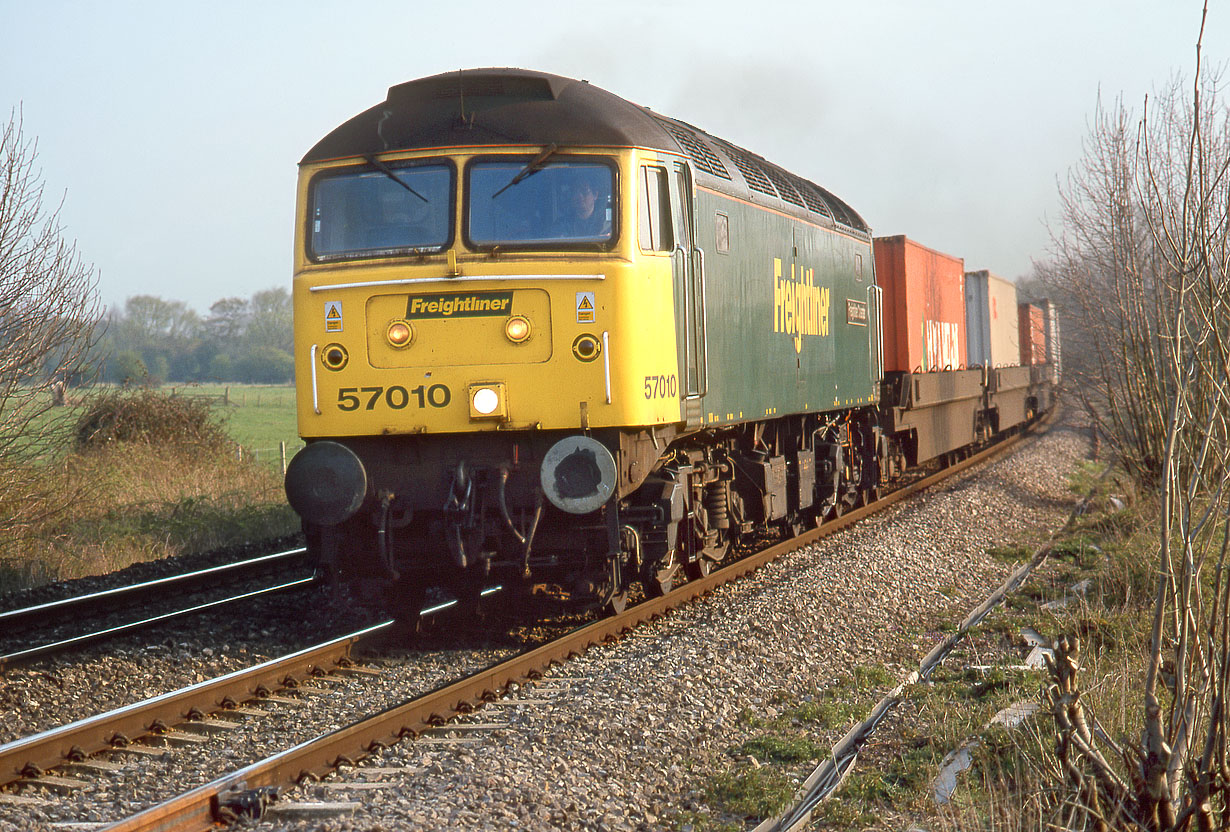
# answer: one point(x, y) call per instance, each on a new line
point(173, 129)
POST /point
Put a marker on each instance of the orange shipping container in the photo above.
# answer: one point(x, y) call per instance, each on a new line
point(1032, 334)
point(924, 306)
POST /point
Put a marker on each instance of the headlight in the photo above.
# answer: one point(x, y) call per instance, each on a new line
point(517, 329)
point(400, 334)
point(487, 401)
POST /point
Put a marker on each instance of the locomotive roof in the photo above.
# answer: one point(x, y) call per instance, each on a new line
point(477, 107)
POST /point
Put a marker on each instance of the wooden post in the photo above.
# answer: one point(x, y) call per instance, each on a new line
point(282, 447)
point(226, 395)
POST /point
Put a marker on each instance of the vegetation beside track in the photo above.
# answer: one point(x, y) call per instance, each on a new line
point(1096, 583)
point(147, 474)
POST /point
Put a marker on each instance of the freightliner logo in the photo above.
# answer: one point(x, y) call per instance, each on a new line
point(800, 307)
point(467, 305)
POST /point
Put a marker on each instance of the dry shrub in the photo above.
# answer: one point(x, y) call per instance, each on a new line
point(153, 476)
point(149, 416)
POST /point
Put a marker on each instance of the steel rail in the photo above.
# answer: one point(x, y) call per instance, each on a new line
point(239, 791)
point(29, 654)
point(10, 617)
point(115, 729)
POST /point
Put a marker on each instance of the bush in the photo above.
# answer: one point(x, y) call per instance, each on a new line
point(265, 365)
point(151, 417)
point(127, 368)
point(122, 503)
point(221, 367)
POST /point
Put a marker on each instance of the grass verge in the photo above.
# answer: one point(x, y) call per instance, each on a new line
point(1097, 584)
point(137, 495)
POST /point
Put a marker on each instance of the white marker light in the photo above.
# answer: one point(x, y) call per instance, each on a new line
point(486, 400)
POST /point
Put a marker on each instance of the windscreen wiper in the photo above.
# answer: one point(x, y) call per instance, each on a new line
point(383, 168)
point(533, 167)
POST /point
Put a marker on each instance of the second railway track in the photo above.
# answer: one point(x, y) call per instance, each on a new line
point(37, 630)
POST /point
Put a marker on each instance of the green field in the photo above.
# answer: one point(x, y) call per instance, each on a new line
point(257, 416)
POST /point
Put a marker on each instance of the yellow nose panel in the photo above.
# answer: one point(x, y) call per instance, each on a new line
point(459, 328)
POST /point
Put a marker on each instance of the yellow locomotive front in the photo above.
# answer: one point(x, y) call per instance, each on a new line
point(462, 292)
point(486, 349)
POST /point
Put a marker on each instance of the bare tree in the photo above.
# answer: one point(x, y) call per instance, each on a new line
point(49, 311)
point(1145, 253)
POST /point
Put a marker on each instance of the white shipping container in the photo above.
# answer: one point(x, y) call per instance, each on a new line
point(992, 329)
point(1050, 320)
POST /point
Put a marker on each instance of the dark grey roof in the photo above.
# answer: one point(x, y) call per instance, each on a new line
point(480, 107)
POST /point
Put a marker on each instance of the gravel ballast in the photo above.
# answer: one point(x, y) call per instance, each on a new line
point(624, 737)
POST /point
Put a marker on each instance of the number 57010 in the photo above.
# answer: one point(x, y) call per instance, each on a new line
point(396, 397)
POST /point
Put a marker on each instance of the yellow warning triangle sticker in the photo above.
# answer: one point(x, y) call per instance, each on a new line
point(585, 304)
point(333, 312)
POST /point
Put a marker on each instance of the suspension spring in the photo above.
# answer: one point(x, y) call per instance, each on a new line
point(717, 504)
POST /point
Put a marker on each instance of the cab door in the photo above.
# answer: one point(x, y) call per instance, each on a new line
point(689, 270)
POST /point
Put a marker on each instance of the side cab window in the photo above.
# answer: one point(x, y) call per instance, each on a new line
point(653, 201)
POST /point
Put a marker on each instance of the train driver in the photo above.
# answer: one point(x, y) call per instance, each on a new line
point(585, 215)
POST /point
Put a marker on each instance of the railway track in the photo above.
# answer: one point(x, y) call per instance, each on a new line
point(245, 792)
point(96, 616)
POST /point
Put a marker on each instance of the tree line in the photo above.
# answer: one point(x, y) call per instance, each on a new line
point(152, 340)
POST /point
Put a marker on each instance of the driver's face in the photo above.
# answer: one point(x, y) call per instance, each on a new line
point(583, 198)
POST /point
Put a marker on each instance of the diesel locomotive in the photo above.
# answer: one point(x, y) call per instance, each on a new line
point(549, 338)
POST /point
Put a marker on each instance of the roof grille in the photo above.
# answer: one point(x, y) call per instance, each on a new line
point(763, 176)
point(704, 158)
point(811, 195)
point(842, 212)
point(752, 174)
point(784, 188)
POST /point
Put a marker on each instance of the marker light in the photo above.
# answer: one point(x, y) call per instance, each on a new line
point(586, 347)
point(485, 401)
point(517, 329)
point(400, 334)
point(334, 356)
